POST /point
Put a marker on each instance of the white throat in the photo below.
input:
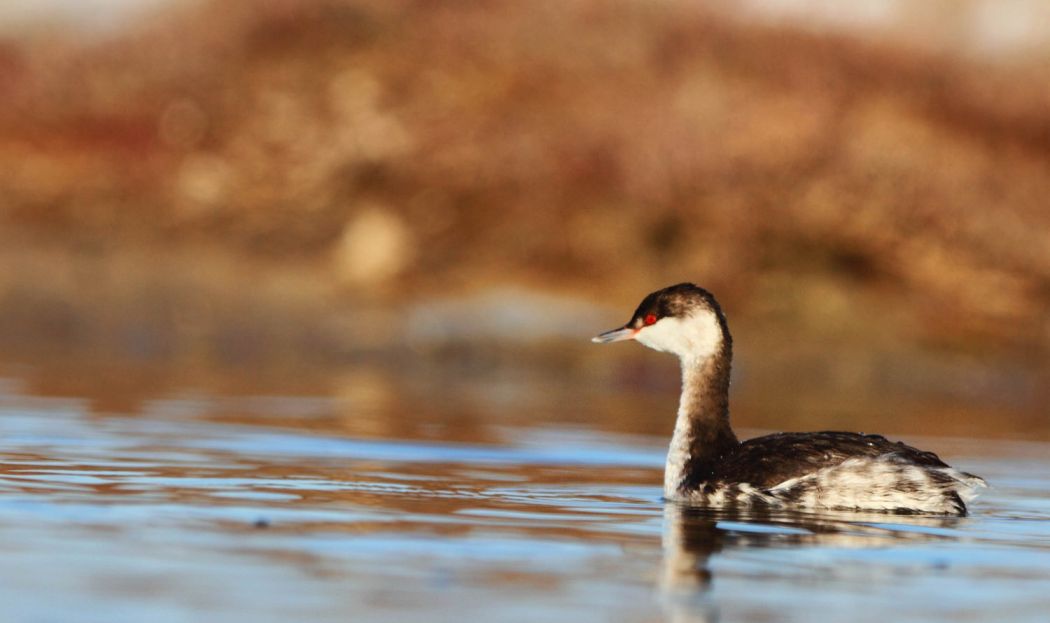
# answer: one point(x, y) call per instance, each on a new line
point(695, 339)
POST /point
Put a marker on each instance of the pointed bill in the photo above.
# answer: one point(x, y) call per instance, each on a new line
point(616, 335)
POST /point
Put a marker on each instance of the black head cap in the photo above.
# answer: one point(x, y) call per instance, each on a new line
point(678, 301)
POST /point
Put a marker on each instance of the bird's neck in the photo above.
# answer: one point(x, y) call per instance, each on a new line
point(702, 435)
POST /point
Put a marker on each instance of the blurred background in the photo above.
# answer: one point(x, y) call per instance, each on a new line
point(424, 199)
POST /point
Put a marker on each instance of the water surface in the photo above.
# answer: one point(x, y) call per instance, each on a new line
point(341, 501)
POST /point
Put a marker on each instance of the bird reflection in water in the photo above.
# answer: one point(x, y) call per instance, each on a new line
point(693, 535)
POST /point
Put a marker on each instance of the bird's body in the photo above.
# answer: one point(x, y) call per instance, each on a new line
point(708, 466)
point(836, 470)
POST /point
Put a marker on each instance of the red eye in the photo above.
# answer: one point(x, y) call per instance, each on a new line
point(650, 319)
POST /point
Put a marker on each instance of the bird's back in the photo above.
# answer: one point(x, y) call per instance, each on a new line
point(836, 470)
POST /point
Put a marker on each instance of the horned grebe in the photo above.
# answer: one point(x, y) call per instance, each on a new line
point(707, 466)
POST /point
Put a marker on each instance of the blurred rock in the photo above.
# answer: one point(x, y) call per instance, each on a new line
point(204, 180)
point(375, 246)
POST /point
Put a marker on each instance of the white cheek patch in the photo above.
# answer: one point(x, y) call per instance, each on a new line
point(698, 335)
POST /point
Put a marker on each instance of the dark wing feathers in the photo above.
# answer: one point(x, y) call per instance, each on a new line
point(767, 461)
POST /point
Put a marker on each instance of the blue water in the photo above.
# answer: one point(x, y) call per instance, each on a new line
point(226, 506)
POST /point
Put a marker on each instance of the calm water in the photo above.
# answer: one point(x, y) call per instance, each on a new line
point(138, 499)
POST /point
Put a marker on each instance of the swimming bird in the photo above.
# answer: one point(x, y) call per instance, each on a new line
point(708, 466)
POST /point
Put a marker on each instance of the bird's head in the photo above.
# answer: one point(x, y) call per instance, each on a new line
point(683, 319)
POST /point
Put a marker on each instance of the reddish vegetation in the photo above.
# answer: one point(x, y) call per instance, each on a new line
point(607, 145)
